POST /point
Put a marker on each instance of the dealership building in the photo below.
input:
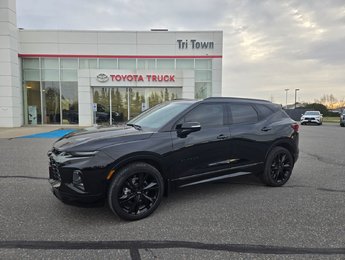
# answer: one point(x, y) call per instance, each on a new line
point(69, 77)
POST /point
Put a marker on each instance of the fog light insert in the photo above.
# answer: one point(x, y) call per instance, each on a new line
point(78, 180)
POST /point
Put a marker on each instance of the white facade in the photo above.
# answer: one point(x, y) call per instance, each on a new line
point(170, 60)
point(11, 105)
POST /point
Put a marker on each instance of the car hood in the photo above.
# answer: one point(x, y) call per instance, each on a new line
point(94, 139)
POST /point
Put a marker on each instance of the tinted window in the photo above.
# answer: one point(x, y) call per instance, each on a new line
point(159, 115)
point(208, 115)
point(264, 111)
point(242, 113)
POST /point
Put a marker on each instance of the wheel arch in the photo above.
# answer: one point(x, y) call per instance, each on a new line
point(286, 143)
point(147, 157)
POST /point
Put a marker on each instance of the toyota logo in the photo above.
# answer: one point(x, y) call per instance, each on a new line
point(102, 77)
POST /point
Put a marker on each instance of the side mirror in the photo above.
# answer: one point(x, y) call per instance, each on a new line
point(186, 128)
point(302, 114)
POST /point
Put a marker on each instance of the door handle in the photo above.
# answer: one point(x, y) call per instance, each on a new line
point(265, 129)
point(222, 137)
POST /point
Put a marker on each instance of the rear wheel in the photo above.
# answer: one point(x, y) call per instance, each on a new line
point(342, 124)
point(278, 167)
point(136, 191)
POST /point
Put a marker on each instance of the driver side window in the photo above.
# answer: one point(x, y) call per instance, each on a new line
point(208, 115)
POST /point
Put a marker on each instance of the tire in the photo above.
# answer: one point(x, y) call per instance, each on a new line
point(135, 191)
point(341, 124)
point(278, 167)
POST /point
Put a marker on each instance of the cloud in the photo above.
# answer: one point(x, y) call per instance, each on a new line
point(268, 45)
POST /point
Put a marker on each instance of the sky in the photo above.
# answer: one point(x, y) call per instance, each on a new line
point(268, 46)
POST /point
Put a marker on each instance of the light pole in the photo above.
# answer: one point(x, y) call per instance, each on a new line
point(296, 89)
point(286, 94)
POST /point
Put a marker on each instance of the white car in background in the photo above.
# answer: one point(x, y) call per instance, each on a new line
point(342, 118)
point(311, 117)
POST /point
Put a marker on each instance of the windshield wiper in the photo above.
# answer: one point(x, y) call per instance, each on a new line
point(138, 127)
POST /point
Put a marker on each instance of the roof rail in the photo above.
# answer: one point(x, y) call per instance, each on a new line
point(237, 98)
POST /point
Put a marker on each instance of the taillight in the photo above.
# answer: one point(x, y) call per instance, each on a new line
point(295, 127)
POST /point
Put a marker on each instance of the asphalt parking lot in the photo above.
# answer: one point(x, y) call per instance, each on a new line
point(236, 219)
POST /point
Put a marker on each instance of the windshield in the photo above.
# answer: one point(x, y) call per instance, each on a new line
point(312, 113)
point(159, 115)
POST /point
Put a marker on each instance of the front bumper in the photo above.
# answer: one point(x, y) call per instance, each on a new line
point(61, 181)
point(77, 199)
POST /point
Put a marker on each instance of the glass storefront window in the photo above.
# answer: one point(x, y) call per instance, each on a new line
point(203, 64)
point(44, 78)
point(119, 105)
point(69, 75)
point(33, 102)
point(69, 102)
point(31, 75)
point(68, 63)
point(88, 63)
point(29, 63)
point(101, 96)
point(119, 102)
point(50, 75)
point(203, 75)
point(165, 63)
point(184, 63)
point(108, 63)
point(137, 101)
point(51, 102)
point(127, 64)
point(146, 63)
point(49, 63)
point(203, 90)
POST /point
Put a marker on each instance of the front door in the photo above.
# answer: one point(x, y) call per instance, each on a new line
point(204, 153)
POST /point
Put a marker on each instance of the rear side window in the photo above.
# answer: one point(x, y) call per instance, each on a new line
point(243, 114)
point(208, 115)
point(264, 111)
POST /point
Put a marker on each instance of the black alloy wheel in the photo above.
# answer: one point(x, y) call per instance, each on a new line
point(278, 167)
point(136, 191)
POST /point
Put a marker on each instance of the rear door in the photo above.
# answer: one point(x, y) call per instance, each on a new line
point(250, 136)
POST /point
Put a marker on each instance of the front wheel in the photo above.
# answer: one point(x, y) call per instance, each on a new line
point(278, 167)
point(136, 191)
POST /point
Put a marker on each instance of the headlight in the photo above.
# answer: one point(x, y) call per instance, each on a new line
point(78, 154)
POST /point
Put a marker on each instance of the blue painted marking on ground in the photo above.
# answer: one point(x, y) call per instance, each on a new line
point(52, 134)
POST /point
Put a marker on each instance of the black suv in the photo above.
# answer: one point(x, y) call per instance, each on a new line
point(174, 144)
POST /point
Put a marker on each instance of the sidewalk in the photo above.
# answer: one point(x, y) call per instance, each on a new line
point(29, 130)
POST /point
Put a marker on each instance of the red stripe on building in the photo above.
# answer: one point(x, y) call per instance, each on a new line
point(120, 56)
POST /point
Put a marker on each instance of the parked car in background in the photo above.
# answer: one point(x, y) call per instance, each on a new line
point(342, 118)
point(309, 117)
point(172, 145)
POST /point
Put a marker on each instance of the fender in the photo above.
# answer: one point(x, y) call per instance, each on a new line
point(287, 143)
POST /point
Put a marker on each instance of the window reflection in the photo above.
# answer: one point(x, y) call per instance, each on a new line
point(69, 102)
point(51, 102)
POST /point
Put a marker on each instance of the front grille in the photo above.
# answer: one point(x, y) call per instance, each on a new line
point(310, 118)
point(55, 173)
